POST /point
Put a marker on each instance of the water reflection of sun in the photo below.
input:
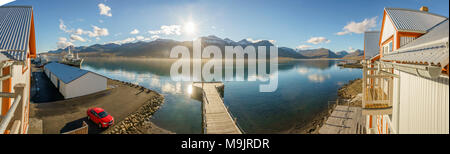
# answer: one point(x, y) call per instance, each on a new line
point(189, 89)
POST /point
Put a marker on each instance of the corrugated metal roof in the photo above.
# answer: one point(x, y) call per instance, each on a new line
point(13, 55)
point(407, 20)
point(431, 48)
point(15, 23)
point(65, 73)
point(371, 47)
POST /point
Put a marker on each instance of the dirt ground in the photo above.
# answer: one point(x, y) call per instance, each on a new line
point(119, 101)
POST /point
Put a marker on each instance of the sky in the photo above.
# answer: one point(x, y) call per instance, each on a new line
point(334, 24)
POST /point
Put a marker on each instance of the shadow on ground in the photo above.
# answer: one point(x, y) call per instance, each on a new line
point(43, 89)
point(92, 127)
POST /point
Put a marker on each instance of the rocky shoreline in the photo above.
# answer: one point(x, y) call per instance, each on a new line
point(349, 91)
point(352, 91)
point(138, 122)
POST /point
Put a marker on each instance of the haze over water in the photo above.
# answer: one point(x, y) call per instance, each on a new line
point(304, 89)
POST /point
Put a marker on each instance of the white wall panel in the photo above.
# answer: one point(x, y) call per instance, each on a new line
point(423, 105)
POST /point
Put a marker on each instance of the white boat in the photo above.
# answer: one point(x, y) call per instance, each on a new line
point(70, 59)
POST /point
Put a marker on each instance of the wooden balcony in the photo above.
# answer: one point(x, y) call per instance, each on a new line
point(377, 93)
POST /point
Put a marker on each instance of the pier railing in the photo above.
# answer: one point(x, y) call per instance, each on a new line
point(222, 121)
point(205, 100)
point(11, 123)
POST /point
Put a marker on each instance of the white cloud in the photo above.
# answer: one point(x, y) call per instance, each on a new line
point(359, 27)
point(97, 31)
point(255, 41)
point(135, 31)
point(351, 49)
point(100, 21)
point(79, 31)
point(63, 27)
point(127, 40)
point(77, 38)
point(137, 38)
point(318, 40)
point(140, 37)
point(167, 30)
point(63, 43)
point(154, 37)
point(104, 10)
point(302, 47)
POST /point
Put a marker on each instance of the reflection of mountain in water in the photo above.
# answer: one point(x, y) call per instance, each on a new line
point(158, 67)
point(319, 64)
point(162, 67)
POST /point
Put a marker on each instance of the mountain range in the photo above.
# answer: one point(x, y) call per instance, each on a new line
point(160, 48)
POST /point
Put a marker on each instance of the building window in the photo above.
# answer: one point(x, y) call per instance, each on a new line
point(387, 48)
point(390, 46)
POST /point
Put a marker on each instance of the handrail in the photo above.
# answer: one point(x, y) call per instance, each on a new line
point(234, 119)
point(203, 111)
point(227, 110)
point(10, 114)
point(5, 94)
point(232, 116)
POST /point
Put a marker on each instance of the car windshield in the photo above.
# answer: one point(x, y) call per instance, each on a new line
point(102, 114)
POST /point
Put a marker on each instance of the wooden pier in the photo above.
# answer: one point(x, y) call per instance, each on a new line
point(344, 120)
point(216, 117)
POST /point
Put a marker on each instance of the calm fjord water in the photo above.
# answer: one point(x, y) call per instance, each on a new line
point(304, 89)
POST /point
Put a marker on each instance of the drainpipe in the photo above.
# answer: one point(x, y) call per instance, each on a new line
point(419, 70)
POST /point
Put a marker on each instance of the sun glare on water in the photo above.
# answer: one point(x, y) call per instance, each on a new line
point(189, 89)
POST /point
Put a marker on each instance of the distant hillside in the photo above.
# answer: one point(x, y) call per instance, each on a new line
point(160, 48)
point(342, 53)
point(356, 54)
point(319, 53)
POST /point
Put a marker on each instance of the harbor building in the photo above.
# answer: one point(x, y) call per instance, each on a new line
point(405, 87)
point(73, 82)
point(17, 47)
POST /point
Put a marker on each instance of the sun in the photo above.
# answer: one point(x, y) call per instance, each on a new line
point(189, 28)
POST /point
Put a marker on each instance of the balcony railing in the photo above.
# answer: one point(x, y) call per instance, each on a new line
point(377, 91)
point(11, 123)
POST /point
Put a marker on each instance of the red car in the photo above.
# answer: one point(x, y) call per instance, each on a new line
point(100, 117)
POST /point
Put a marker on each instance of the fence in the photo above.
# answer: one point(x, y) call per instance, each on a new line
point(84, 129)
